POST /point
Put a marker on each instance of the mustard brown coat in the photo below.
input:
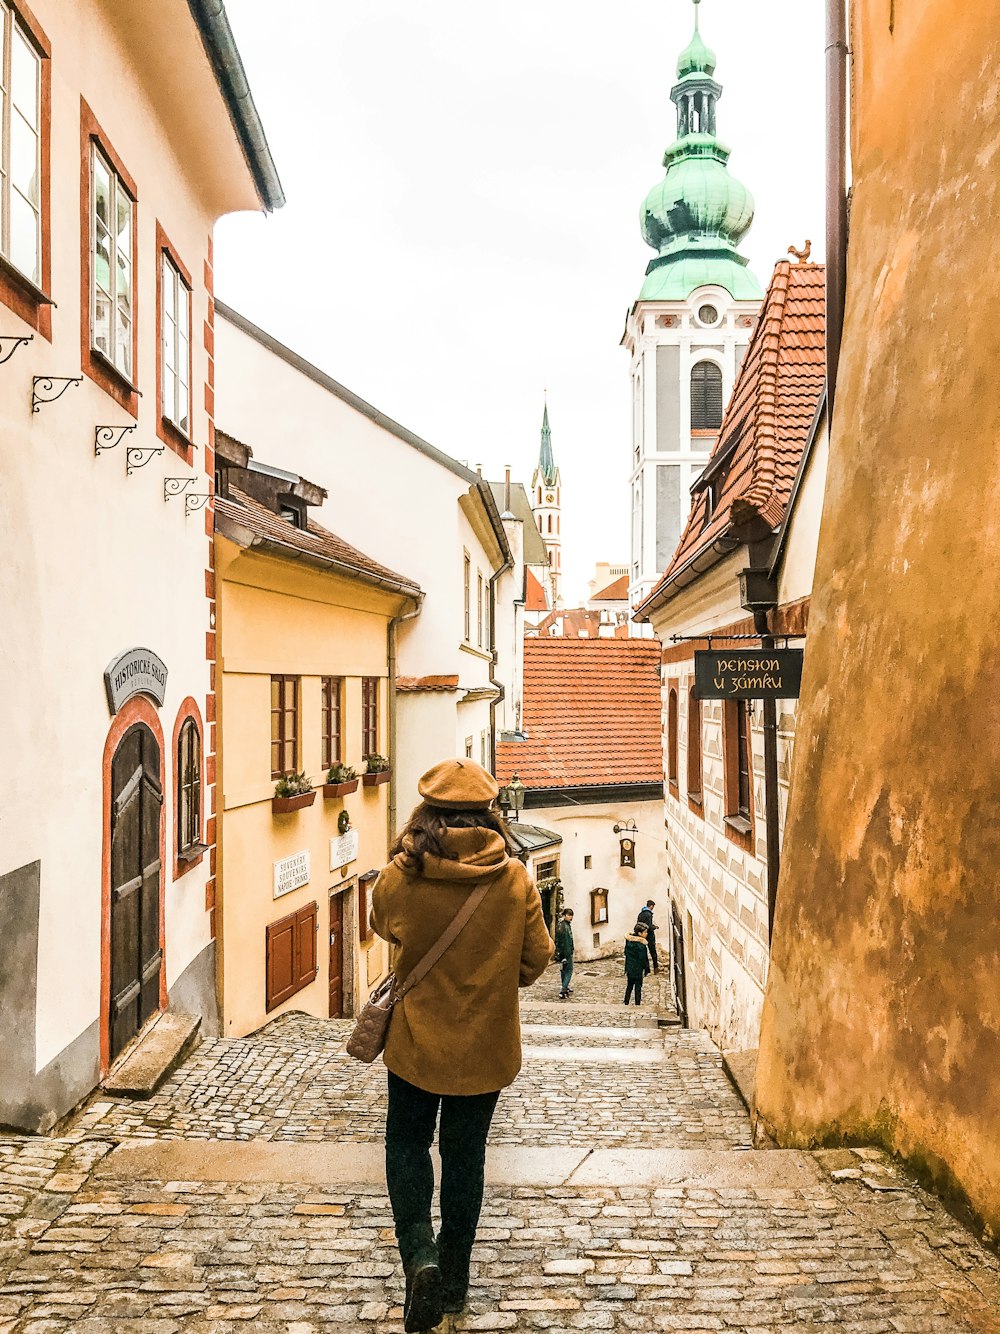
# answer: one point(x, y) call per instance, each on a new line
point(458, 1031)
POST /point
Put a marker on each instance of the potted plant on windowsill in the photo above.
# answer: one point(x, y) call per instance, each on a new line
point(379, 771)
point(341, 779)
point(291, 793)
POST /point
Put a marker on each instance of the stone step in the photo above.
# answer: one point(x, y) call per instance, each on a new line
point(581, 1166)
point(598, 1036)
point(156, 1055)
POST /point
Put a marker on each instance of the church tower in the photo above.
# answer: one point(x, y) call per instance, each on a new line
point(689, 329)
point(546, 502)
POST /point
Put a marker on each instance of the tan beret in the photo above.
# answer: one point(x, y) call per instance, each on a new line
point(458, 785)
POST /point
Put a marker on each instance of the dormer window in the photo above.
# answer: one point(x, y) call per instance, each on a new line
point(292, 510)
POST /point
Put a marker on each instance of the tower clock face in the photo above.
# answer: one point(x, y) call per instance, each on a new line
point(549, 498)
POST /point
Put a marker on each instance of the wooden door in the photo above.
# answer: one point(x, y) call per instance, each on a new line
point(136, 884)
point(336, 956)
point(677, 953)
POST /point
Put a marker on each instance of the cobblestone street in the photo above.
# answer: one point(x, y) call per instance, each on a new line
point(622, 1195)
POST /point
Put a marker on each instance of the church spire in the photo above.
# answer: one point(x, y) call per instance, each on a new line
point(698, 214)
point(546, 459)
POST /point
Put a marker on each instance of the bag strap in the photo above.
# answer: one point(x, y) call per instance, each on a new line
point(448, 938)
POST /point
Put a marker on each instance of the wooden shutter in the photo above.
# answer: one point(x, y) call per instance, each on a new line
point(291, 961)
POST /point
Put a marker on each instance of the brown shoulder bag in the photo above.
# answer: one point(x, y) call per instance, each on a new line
point(372, 1027)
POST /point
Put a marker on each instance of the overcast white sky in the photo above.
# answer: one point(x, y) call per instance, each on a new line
point(464, 182)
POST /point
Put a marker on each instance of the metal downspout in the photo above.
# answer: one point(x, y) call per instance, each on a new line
point(770, 710)
point(393, 728)
point(494, 658)
point(837, 53)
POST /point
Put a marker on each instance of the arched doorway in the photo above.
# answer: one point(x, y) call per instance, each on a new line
point(136, 885)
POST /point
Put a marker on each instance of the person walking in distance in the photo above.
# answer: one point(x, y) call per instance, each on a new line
point(636, 962)
point(646, 917)
point(564, 952)
point(454, 1040)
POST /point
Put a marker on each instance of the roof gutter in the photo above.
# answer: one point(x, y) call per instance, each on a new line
point(692, 569)
point(244, 537)
point(221, 49)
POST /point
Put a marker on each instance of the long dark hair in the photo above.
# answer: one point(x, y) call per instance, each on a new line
point(425, 830)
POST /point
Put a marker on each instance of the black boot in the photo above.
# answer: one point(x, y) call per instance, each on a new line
point(422, 1307)
point(454, 1276)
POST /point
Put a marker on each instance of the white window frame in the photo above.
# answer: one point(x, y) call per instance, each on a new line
point(117, 186)
point(480, 587)
point(175, 341)
point(467, 595)
point(11, 30)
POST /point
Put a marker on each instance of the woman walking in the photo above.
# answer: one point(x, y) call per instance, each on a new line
point(636, 961)
point(454, 1041)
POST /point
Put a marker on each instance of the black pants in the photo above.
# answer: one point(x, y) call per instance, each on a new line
point(635, 982)
point(651, 946)
point(409, 1133)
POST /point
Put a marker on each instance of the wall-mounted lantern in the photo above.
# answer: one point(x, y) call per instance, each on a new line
point(626, 841)
point(511, 798)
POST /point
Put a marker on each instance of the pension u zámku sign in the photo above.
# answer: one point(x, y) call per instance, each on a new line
point(748, 674)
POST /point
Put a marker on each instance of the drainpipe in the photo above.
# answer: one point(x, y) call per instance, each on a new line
point(836, 188)
point(494, 658)
point(770, 710)
point(391, 654)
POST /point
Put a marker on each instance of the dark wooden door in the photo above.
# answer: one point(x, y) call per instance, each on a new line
point(136, 875)
point(336, 956)
point(677, 958)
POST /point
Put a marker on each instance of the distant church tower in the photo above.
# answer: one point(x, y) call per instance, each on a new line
point(689, 330)
point(546, 502)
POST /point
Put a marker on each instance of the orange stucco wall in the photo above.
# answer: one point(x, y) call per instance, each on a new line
point(882, 1014)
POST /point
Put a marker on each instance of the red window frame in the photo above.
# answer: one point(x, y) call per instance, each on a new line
point(284, 725)
point(369, 715)
point(18, 292)
point(96, 366)
point(331, 713)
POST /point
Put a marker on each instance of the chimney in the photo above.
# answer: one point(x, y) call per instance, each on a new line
point(506, 489)
point(479, 469)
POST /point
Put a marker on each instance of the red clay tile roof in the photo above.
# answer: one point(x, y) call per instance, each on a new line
point(534, 593)
point(313, 540)
point(769, 417)
point(410, 684)
point(616, 592)
point(591, 714)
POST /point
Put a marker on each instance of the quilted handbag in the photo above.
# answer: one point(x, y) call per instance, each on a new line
point(371, 1028)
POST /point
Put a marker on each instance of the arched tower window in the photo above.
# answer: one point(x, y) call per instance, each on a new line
point(706, 397)
point(189, 785)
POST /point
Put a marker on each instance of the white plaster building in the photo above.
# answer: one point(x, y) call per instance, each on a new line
point(409, 506)
point(688, 332)
point(134, 135)
point(757, 507)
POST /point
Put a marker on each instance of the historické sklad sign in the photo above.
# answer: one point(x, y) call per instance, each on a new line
point(769, 673)
point(136, 672)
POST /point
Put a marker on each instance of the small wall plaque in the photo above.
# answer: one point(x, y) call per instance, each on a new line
point(343, 849)
point(291, 873)
point(138, 671)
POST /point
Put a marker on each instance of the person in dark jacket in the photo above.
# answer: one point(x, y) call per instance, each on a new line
point(455, 1038)
point(564, 951)
point(647, 916)
point(636, 962)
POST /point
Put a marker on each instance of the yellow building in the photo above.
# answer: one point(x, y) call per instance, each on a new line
point(305, 628)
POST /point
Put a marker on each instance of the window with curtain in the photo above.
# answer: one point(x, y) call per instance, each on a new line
point(189, 785)
point(175, 323)
point(706, 397)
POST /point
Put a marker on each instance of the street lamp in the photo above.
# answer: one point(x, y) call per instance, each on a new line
point(511, 798)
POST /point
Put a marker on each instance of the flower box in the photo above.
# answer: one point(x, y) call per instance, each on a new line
point(340, 789)
point(283, 805)
point(376, 779)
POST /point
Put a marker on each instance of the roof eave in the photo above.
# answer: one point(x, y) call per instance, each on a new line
point(700, 563)
point(246, 537)
point(220, 47)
